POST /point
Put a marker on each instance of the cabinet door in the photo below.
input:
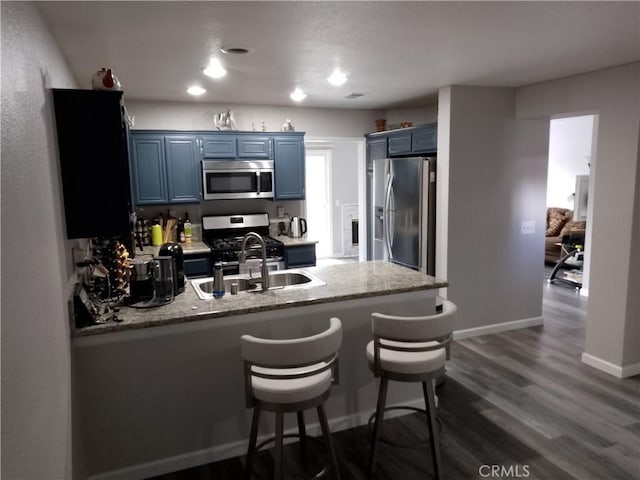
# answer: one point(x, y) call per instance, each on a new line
point(94, 163)
point(300, 256)
point(425, 140)
point(149, 169)
point(198, 265)
point(183, 169)
point(289, 167)
point(255, 146)
point(221, 145)
point(376, 149)
point(400, 143)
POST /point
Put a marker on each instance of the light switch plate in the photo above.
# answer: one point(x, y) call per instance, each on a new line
point(527, 227)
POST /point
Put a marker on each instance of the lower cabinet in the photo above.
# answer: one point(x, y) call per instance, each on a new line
point(198, 265)
point(300, 256)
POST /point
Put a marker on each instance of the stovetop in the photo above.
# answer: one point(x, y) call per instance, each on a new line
point(224, 234)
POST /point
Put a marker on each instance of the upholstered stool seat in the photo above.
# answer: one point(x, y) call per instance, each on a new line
point(292, 375)
point(407, 362)
point(410, 349)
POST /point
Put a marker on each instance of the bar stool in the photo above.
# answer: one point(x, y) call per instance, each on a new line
point(410, 349)
point(284, 376)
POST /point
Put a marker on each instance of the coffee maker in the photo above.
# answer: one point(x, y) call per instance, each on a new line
point(163, 285)
point(174, 250)
point(141, 283)
point(160, 275)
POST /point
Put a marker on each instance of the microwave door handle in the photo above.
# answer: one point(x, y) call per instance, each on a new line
point(258, 181)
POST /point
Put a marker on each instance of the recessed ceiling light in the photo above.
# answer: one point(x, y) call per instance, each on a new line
point(298, 95)
point(215, 69)
point(337, 78)
point(196, 90)
point(235, 50)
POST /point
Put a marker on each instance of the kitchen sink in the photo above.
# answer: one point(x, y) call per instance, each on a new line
point(281, 279)
point(243, 284)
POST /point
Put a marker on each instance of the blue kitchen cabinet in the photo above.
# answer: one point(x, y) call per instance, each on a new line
point(219, 145)
point(165, 168)
point(288, 157)
point(425, 139)
point(183, 169)
point(376, 149)
point(255, 146)
point(149, 169)
point(418, 140)
point(399, 143)
point(297, 256)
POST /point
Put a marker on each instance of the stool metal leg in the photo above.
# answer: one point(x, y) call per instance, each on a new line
point(302, 431)
point(253, 437)
point(428, 391)
point(382, 395)
point(327, 439)
point(278, 473)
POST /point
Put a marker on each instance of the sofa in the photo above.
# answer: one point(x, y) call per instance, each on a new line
point(561, 228)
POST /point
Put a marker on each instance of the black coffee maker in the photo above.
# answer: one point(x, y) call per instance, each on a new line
point(141, 282)
point(175, 250)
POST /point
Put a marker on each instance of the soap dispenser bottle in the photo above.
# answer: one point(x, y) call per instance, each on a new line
point(218, 281)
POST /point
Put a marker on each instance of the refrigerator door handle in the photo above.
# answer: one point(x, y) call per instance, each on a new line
point(388, 212)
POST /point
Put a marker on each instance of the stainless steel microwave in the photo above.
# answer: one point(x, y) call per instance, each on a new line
point(232, 179)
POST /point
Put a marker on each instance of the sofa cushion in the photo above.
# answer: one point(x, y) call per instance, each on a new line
point(573, 226)
point(555, 224)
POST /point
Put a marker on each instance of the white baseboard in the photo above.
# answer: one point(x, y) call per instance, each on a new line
point(610, 368)
point(497, 328)
point(235, 449)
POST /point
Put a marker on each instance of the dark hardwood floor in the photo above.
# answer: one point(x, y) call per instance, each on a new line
point(520, 402)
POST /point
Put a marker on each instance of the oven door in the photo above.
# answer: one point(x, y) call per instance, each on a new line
point(225, 180)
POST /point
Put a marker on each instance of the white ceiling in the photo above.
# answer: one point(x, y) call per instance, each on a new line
point(397, 53)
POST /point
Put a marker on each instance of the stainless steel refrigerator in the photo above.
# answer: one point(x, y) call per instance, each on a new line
point(403, 193)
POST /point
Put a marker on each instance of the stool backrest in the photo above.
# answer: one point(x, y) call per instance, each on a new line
point(293, 352)
point(419, 329)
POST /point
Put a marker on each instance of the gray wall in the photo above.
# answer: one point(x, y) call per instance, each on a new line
point(612, 94)
point(496, 170)
point(36, 258)
point(320, 122)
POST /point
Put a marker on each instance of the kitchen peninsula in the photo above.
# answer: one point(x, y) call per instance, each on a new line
point(163, 389)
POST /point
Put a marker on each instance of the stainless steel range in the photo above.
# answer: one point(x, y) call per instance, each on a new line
point(224, 233)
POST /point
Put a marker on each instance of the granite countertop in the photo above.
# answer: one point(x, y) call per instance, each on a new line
point(187, 248)
point(347, 281)
point(292, 242)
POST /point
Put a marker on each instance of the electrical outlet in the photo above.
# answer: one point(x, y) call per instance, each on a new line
point(527, 227)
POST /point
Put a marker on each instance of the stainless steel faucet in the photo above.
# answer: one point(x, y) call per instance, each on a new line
point(243, 256)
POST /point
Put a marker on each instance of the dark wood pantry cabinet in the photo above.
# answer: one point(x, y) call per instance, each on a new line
point(94, 163)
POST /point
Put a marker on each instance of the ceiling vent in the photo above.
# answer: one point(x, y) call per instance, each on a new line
point(355, 95)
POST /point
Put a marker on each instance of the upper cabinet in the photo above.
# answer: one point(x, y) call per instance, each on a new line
point(419, 140)
point(219, 145)
point(165, 168)
point(289, 161)
point(166, 165)
point(255, 146)
point(94, 163)
point(183, 168)
point(236, 145)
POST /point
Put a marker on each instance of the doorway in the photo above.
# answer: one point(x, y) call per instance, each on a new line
point(318, 195)
point(570, 176)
